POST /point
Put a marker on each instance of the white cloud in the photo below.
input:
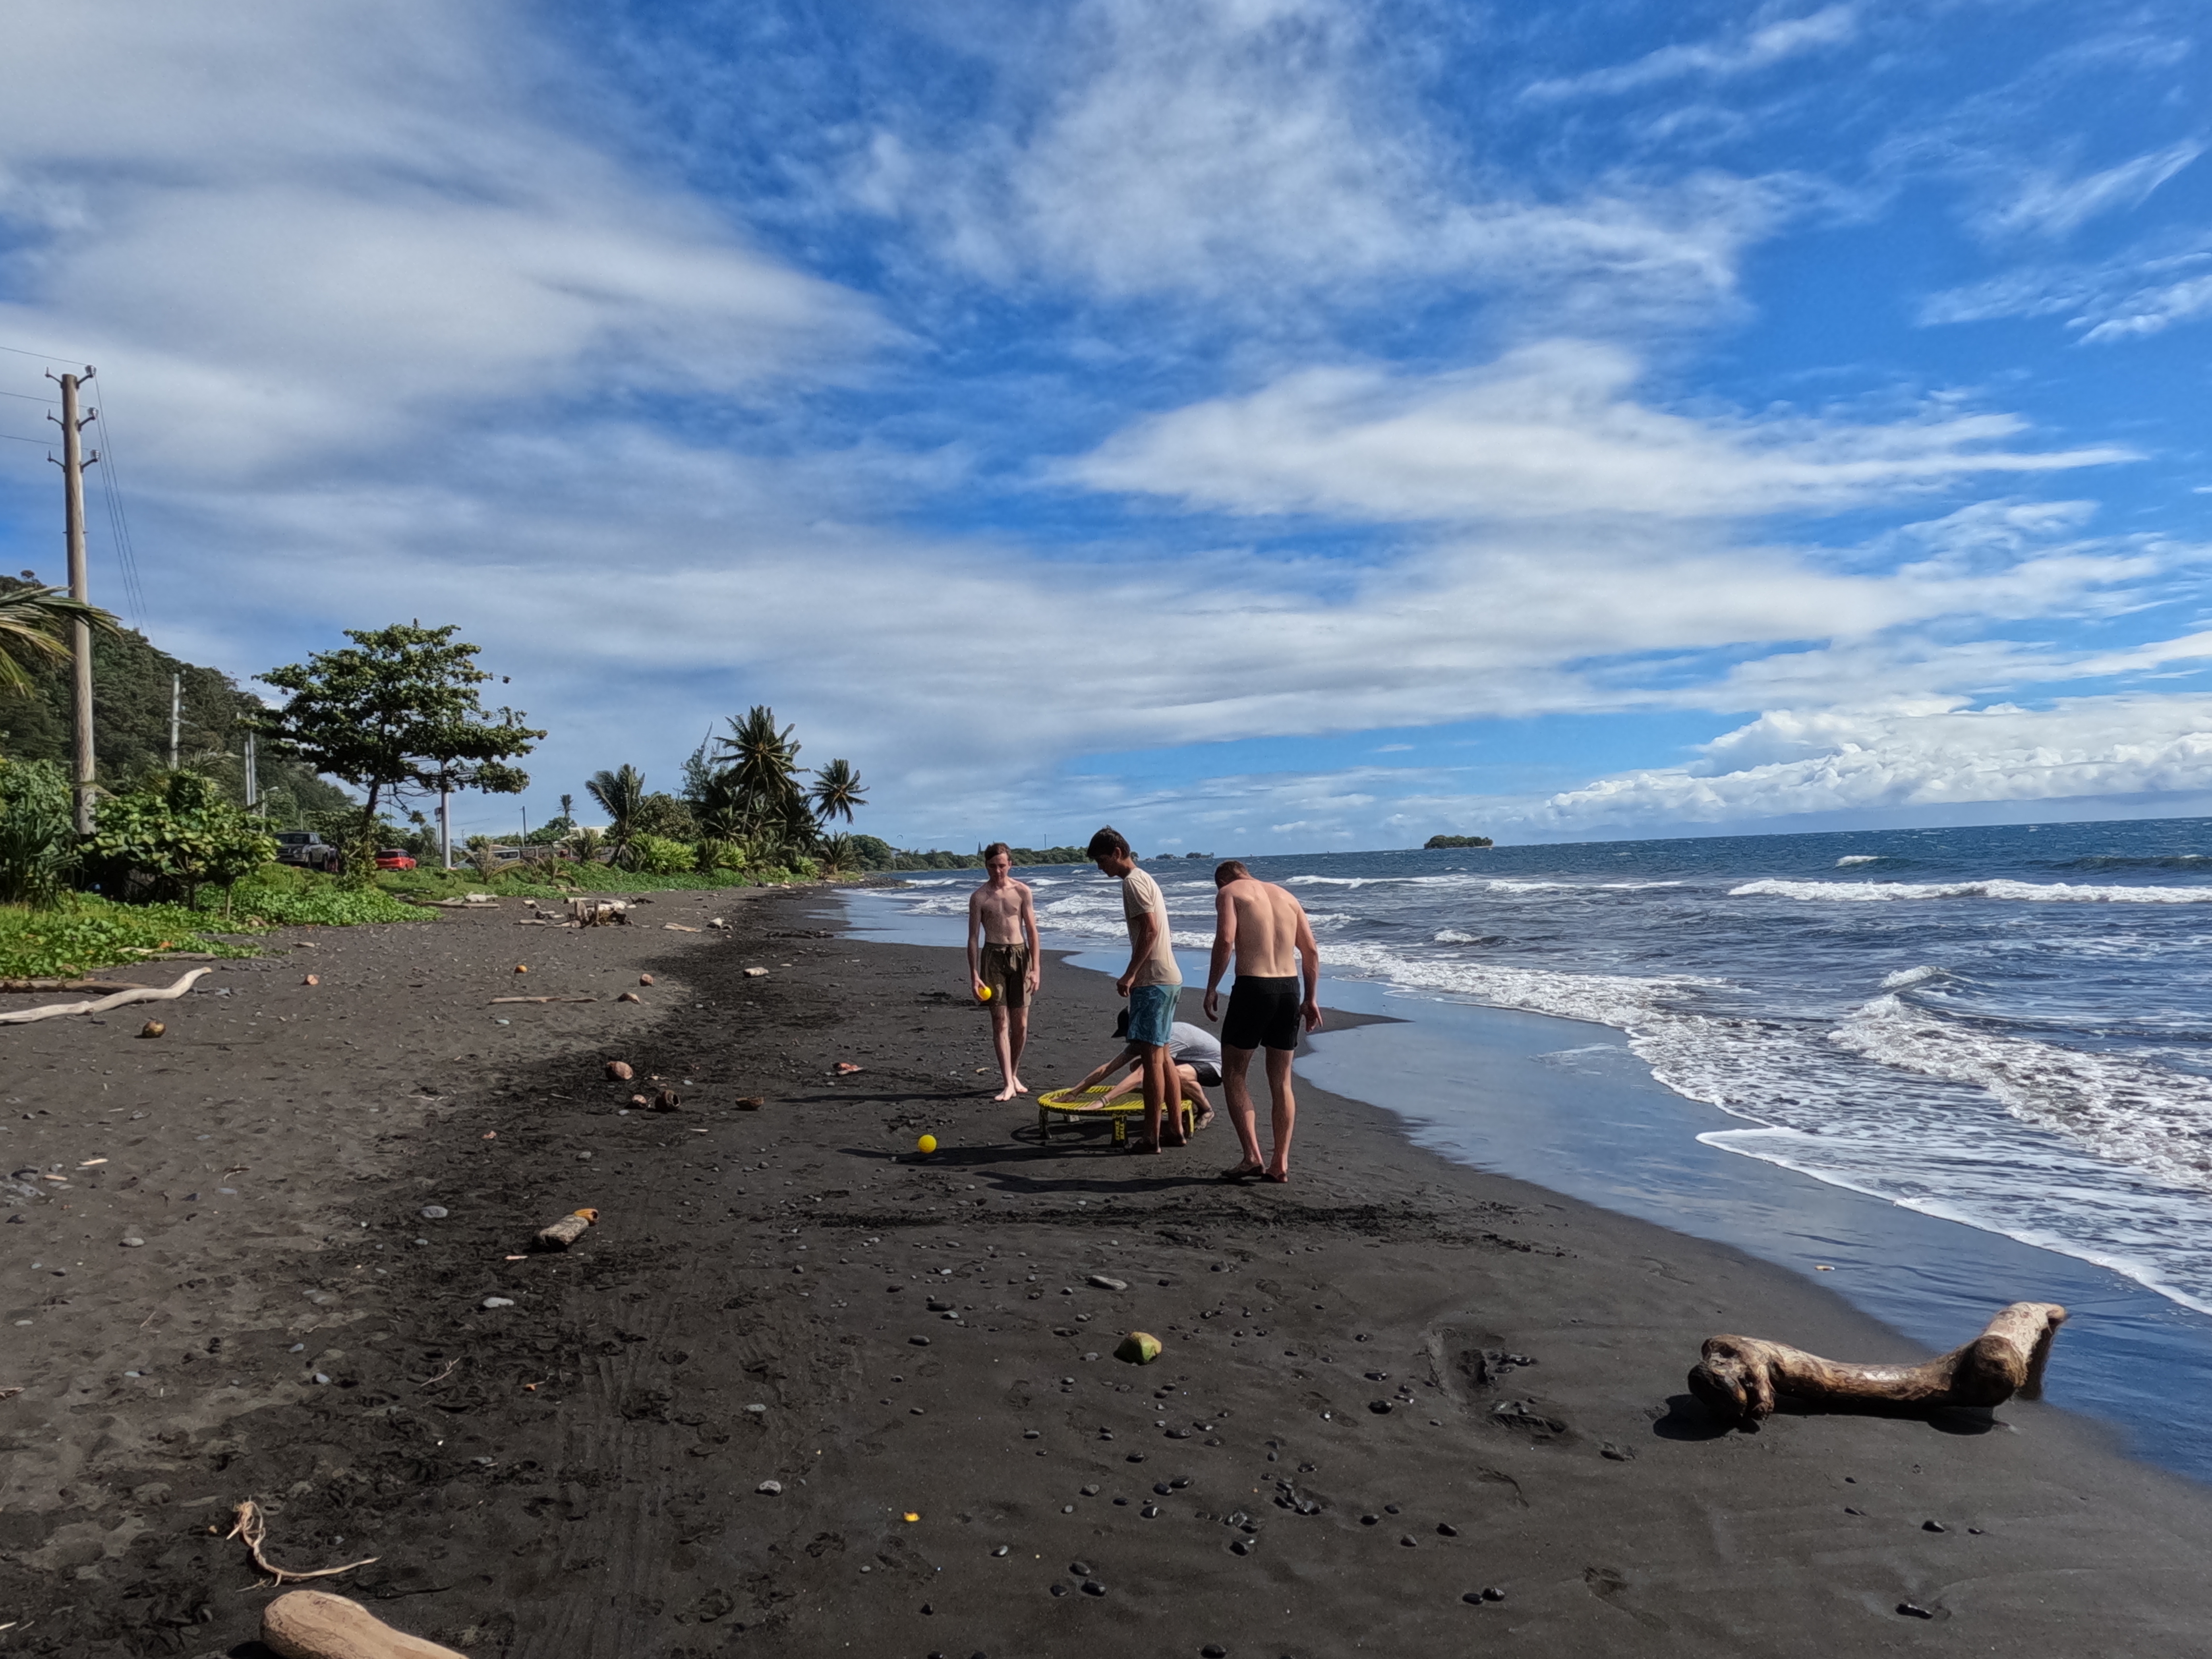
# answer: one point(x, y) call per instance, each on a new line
point(1800, 762)
point(1742, 52)
point(1544, 432)
point(2138, 295)
point(292, 231)
point(1235, 150)
point(2050, 204)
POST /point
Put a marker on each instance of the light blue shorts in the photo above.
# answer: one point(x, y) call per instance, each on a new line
point(1151, 1014)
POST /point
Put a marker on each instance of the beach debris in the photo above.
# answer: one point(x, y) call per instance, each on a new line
point(629, 996)
point(620, 1071)
point(497, 1302)
point(598, 912)
point(1740, 1377)
point(432, 1212)
point(152, 1028)
point(679, 927)
point(752, 1102)
point(522, 967)
point(843, 1068)
point(560, 1235)
point(756, 973)
point(1137, 1348)
point(645, 979)
point(102, 1005)
point(926, 1145)
point(316, 1625)
point(770, 1488)
point(717, 923)
point(312, 979)
point(1106, 1283)
point(1914, 1610)
point(580, 999)
point(667, 1100)
point(251, 1528)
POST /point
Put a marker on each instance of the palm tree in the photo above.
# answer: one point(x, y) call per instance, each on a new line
point(837, 790)
point(621, 794)
point(839, 854)
point(765, 761)
point(34, 622)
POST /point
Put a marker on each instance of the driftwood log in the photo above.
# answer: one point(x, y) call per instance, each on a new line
point(598, 912)
point(316, 1625)
point(136, 994)
point(560, 1235)
point(1740, 1377)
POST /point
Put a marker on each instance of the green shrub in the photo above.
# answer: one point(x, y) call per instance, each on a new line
point(38, 832)
point(658, 855)
point(719, 853)
point(167, 840)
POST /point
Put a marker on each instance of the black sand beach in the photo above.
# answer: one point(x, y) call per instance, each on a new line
point(578, 1473)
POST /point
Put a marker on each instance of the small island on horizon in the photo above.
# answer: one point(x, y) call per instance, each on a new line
point(1435, 841)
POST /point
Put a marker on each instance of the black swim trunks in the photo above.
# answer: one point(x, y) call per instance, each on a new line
point(1263, 1013)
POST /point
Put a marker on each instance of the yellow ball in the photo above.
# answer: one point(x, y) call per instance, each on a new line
point(984, 995)
point(927, 1143)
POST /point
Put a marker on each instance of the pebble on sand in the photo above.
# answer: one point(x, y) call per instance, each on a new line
point(620, 1071)
point(629, 996)
point(770, 1488)
point(133, 1244)
point(497, 1302)
point(432, 1212)
point(1106, 1283)
point(1914, 1610)
point(919, 1341)
point(152, 1028)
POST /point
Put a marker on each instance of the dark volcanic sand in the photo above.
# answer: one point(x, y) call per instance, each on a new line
point(756, 1305)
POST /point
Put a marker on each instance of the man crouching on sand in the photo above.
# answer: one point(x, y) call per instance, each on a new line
point(1265, 926)
point(1151, 984)
point(1002, 920)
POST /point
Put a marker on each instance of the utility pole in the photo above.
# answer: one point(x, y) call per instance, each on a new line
point(176, 714)
point(252, 776)
point(445, 825)
point(74, 462)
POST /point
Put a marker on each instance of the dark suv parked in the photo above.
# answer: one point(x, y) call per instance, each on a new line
point(307, 848)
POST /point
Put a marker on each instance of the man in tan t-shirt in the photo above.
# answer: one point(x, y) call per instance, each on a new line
point(1150, 983)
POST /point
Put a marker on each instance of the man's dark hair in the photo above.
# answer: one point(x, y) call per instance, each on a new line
point(1109, 839)
point(994, 849)
point(1231, 870)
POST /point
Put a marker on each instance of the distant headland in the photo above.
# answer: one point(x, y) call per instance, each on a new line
point(1435, 841)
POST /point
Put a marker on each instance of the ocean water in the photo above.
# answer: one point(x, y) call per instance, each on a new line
point(2007, 1028)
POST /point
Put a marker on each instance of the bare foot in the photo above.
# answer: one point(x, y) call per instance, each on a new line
point(1243, 1172)
point(1006, 1093)
point(1280, 1177)
point(1203, 1118)
point(1138, 1144)
point(1020, 1087)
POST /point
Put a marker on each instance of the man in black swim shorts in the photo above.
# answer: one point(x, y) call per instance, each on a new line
point(1265, 928)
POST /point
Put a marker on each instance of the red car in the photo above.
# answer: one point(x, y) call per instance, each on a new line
point(392, 859)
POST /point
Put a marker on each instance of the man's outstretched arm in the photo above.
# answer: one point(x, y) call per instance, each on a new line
point(1224, 944)
point(1310, 966)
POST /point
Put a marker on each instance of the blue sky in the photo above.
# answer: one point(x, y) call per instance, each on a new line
point(1267, 424)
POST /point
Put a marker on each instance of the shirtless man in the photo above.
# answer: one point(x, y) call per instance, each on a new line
point(1151, 982)
point(1266, 928)
point(1002, 958)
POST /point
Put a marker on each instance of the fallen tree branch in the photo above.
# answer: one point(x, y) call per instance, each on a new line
point(545, 998)
point(316, 1625)
point(138, 993)
point(249, 1527)
point(70, 985)
point(1740, 1377)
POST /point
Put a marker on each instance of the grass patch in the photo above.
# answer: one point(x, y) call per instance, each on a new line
point(575, 878)
point(86, 932)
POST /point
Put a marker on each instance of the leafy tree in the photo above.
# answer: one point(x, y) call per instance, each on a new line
point(662, 814)
point(764, 761)
point(397, 713)
point(620, 793)
point(171, 838)
point(552, 832)
point(837, 790)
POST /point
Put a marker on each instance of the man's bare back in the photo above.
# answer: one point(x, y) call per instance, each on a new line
point(1269, 923)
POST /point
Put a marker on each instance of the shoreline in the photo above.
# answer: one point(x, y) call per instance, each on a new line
point(1566, 1106)
point(578, 1471)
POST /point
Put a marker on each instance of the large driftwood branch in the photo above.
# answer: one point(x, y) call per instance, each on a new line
point(1740, 1377)
point(316, 1625)
point(138, 993)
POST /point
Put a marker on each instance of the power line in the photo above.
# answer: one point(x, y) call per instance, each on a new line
point(29, 397)
point(118, 517)
point(48, 356)
point(49, 442)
